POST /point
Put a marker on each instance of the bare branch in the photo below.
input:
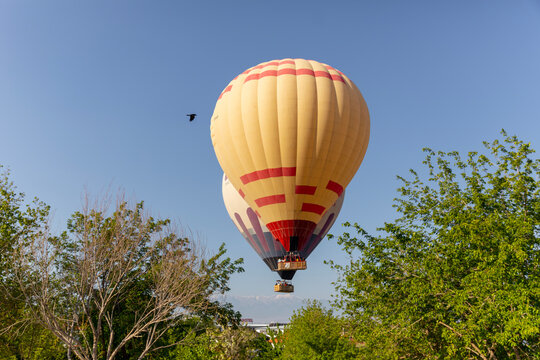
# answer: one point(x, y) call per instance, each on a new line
point(74, 284)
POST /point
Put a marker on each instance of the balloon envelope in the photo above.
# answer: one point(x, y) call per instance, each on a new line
point(290, 135)
point(261, 239)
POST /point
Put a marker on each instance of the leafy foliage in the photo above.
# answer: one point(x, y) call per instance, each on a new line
point(457, 275)
point(274, 337)
point(92, 284)
point(231, 343)
point(314, 333)
point(218, 271)
point(118, 282)
point(218, 342)
point(19, 223)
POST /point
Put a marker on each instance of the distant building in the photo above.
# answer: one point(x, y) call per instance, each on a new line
point(263, 328)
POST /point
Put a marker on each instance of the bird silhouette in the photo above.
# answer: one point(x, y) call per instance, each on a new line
point(191, 116)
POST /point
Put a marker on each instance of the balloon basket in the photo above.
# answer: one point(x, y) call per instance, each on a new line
point(292, 261)
point(282, 286)
point(292, 265)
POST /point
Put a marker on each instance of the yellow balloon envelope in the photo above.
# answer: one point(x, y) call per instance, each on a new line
point(290, 135)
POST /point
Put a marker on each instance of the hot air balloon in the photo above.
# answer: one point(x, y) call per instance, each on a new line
point(290, 135)
point(259, 237)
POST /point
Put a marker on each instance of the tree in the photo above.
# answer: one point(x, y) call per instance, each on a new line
point(315, 333)
point(269, 346)
point(20, 223)
point(457, 274)
point(233, 343)
point(117, 280)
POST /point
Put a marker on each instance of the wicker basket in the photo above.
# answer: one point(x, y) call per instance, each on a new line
point(284, 288)
point(291, 265)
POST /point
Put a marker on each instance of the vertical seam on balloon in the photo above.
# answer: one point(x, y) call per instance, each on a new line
point(274, 111)
point(282, 179)
point(297, 162)
point(265, 155)
point(258, 124)
point(244, 133)
point(233, 152)
point(316, 116)
point(229, 130)
point(324, 160)
point(352, 95)
point(352, 124)
point(363, 137)
point(294, 197)
point(345, 118)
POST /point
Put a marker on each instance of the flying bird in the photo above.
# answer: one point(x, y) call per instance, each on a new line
point(191, 116)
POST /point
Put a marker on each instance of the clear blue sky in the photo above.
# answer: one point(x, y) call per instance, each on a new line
point(95, 93)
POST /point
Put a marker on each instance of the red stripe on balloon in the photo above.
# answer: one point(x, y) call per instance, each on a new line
point(314, 208)
point(284, 62)
point(340, 74)
point(269, 200)
point(267, 173)
point(287, 71)
point(241, 193)
point(297, 72)
point(305, 189)
point(257, 76)
point(227, 89)
point(335, 187)
point(271, 63)
point(292, 62)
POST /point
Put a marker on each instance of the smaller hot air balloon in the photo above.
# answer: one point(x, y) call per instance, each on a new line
point(270, 250)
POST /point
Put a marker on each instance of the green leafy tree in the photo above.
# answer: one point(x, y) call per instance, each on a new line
point(271, 345)
point(20, 222)
point(218, 342)
point(315, 333)
point(196, 346)
point(119, 282)
point(183, 338)
point(233, 343)
point(457, 274)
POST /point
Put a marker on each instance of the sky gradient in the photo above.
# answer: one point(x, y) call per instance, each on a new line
point(93, 95)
